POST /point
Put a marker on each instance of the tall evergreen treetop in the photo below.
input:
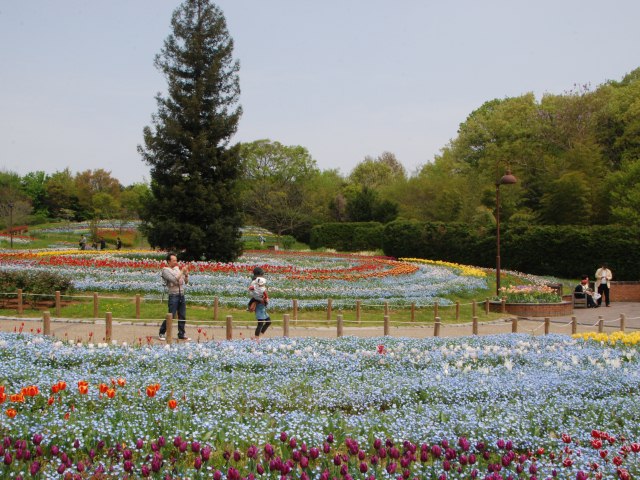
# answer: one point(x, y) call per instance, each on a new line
point(194, 208)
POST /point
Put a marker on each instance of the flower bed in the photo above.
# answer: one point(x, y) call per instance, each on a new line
point(476, 407)
point(309, 277)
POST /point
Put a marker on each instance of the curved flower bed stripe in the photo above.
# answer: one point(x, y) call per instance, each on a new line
point(511, 406)
point(464, 269)
point(309, 277)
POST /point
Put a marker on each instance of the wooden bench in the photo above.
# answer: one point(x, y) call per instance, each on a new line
point(579, 300)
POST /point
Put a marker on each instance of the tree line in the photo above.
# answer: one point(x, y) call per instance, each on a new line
point(576, 156)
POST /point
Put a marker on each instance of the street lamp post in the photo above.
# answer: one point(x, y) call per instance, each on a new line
point(10, 205)
point(507, 179)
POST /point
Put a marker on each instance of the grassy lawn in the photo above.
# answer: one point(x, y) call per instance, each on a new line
point(123, 307)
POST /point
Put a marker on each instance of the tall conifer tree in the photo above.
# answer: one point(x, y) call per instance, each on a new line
point(194, 208)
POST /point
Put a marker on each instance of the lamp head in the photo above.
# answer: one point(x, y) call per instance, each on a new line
point(508, 179)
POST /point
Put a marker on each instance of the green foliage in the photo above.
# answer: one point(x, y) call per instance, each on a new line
point(561, 251)
point(365, 205)
point(349, 237)
point(34, 282)
point(194, 207)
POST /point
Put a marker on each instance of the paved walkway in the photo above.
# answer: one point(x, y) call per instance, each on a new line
point(83, 330)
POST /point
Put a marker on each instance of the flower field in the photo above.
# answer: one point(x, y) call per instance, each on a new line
point(307, 276)
point(494, 407)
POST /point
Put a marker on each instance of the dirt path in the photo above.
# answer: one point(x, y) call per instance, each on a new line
point(94, 331)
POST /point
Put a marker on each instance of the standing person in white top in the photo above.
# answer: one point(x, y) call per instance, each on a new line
point(175, 278)
point(603, 282)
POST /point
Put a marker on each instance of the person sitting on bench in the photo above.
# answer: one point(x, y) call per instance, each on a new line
point(582, 290)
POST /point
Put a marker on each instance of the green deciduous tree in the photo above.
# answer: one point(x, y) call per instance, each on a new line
point(194, 207)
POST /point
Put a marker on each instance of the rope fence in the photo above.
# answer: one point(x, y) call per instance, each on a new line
point(384, 322)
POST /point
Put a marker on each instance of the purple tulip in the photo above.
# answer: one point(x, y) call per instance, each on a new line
point(34, 468)
point(293, 442)
point(128, 466)
point(177, 441)
point(37, 439)
point(283, 437)
point(304, 462)
point(268, 450)
point(55, 450)
point(195, 446)
point(330, 438)
point(363, 467)
point(139, 444)
point(260, 469)
point(145, 471)
point(61, 468)
point(161, 441)
point(197, 463)
point(236, 456)
point(206, 453)
point(501, 444)
point(80, 467)
point(217, 475)
point(314, 453)
point(76, 443)
point(183, 447)
point(436, 451)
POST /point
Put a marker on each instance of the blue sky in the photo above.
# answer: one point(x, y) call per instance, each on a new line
point(345, 79)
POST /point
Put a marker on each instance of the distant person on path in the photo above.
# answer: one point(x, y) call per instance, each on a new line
point(83, 242)
point(175, 279)
point(582, 290)
point(603, 279)
point(118, 243)
point(103, 244)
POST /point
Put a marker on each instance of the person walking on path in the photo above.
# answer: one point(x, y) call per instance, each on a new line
point(603, 282)
point(260, 299)
point(175, 278)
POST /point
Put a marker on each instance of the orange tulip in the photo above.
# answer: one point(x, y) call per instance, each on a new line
point(172, 404)
point(83, 387)
point(3, 397)
point(151, 392)
point(11, 412)
point(62, 385)
point(103, 387)
point(55, 388)
point(17, 398)
point(111, 393)
point(121, 382)
point(30, 391)
point(50, 401)
point(1, 389)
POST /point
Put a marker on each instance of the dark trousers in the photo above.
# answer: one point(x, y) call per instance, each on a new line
point(178, 308)
point(262, 326)
point(603, 290)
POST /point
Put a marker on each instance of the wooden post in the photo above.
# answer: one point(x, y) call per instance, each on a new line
point(329, 303)
point(473, 308)
point(169, 332)
point(215, 309)
point(138, 306)
point(547, 325)
point(95, 304)
point(229, 327)
point(413, 311)
point(474, 328)
point(20, 306)
point(46, 323)
point(436, 327)
point(457, 310)
point(358, 317)
point(285, 325)
point(574, 325)
point(57, 303)
point(435, 310)
point(386, 308)
point(486, 306)
point(514, 325)
point(600, 324)
point(295, 312)
point(108, 328)
point(503, 305)
point(386, 325)
point(340, 329)
point(622, 321)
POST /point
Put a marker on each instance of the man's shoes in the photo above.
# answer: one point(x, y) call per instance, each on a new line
point(162, 338)
point(185, 339)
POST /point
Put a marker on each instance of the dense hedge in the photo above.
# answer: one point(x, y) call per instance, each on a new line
point(34, 282)
point(348, 237)
point(563, 251)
